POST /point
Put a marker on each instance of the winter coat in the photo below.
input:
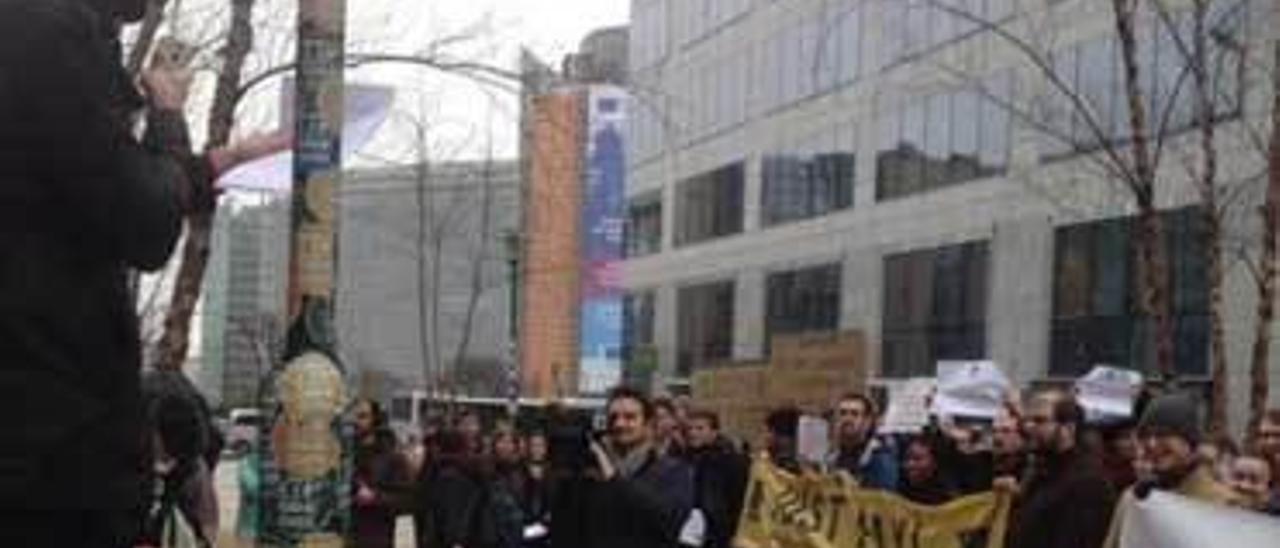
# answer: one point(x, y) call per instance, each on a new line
point(385, 471)
point(81, 203)
point(643, 510)
point(453, 509)
point(720, 475)
point(1066, 503)
point(874, 465)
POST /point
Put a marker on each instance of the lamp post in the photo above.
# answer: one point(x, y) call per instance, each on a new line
point(511, 241)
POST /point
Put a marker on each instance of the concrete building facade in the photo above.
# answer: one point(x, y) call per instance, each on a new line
point(424, 284)
point(894, 168)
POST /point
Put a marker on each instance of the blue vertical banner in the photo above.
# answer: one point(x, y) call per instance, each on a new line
point(603, 216)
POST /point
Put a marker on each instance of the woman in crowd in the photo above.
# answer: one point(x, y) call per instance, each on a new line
point(923, 480)
point(381, 483)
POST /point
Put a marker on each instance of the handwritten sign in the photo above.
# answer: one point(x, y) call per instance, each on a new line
point(970, 389)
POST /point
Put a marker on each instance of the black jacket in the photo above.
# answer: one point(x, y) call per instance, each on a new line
point(454, 508)
point(646, 510)
point(720, 483)
point(382, 469)
point(81, 201)
point(1066, 503)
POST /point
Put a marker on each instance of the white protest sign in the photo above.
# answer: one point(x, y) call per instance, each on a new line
point(908, 409)
point(970, 389)
point(367, 107)
point(1108, 392)
point(813, 442)
point(1165, 520)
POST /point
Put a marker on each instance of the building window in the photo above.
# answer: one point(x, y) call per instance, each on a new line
point(802, 301)
point(705, 324)
point(709, 205)
point(806, 186)
point(644, 226)
point(1093, 69)
point(943, 139)
point(915, 29)
point(638, 320)
point(1097, 316)
point(935, 308)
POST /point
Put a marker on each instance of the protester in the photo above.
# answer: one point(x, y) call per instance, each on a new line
point(1008, 448)
point(1120, 453)
point(537, 494)
point(508, 485)
point(639, 497)
point(185, 500)
point(923, 481)
point(452, 499)
point(720, 477)
point(668, 431)
point(780, 443)
point(1267, 440)
point(381, 482)
point(1065, 502)
point(871, 461)
point(468, 424)
point(83, 202)
point(1218, 454)
point(1168, 434)
point(1251, 479)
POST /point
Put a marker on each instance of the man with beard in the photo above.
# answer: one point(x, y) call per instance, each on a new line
point(871, 461)
point(1066, 501)
point(82, 202)
point(1168, 434)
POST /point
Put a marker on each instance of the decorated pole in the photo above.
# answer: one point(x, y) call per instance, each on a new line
point(307, 455)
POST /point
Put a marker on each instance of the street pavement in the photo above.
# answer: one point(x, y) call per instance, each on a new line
point(228, 489)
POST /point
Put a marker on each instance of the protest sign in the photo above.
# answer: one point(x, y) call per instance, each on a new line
point(1166, 520)
point(908, 409)
point(970, 389)
point(813, 439)
point(784, 510)
point(1108, 392)
point(367, 107)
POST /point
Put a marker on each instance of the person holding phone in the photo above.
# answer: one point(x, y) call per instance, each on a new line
point(82, 202)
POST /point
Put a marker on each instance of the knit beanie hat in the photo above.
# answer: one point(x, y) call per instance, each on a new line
point(1176, 413)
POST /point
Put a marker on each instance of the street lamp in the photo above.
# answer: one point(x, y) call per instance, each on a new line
point(511, 241)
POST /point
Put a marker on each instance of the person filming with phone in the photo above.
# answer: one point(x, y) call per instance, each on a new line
point(82, 201)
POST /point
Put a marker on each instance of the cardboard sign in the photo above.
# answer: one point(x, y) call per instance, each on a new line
point(813, 442)
point(1108, 392)
point(908, 409)
point(970, 389)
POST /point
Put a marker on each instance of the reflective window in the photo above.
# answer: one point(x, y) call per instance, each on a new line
point(802, 301)
point(804, 186)
point(1097, 316)
point(644, 226)
point(709, 205)
point(705, 326)
point(935, 308)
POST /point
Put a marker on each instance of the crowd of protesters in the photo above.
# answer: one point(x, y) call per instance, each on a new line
point(661, 473)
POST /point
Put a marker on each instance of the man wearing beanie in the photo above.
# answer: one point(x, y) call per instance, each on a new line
point(1168, 434)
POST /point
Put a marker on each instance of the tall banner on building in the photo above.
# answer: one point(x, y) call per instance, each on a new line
point(306, 458)
point(786, 510)
point(603, 215)
point(1165, 520)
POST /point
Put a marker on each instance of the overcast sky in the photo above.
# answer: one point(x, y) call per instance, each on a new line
point(458, 111)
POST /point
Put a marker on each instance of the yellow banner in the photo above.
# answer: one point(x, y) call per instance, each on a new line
point(784, 510)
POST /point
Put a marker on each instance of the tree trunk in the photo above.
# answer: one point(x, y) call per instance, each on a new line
point(477, 265)
point(1151, 252)
point(1211, 216)
point(195, 248)
point(1259, 381)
